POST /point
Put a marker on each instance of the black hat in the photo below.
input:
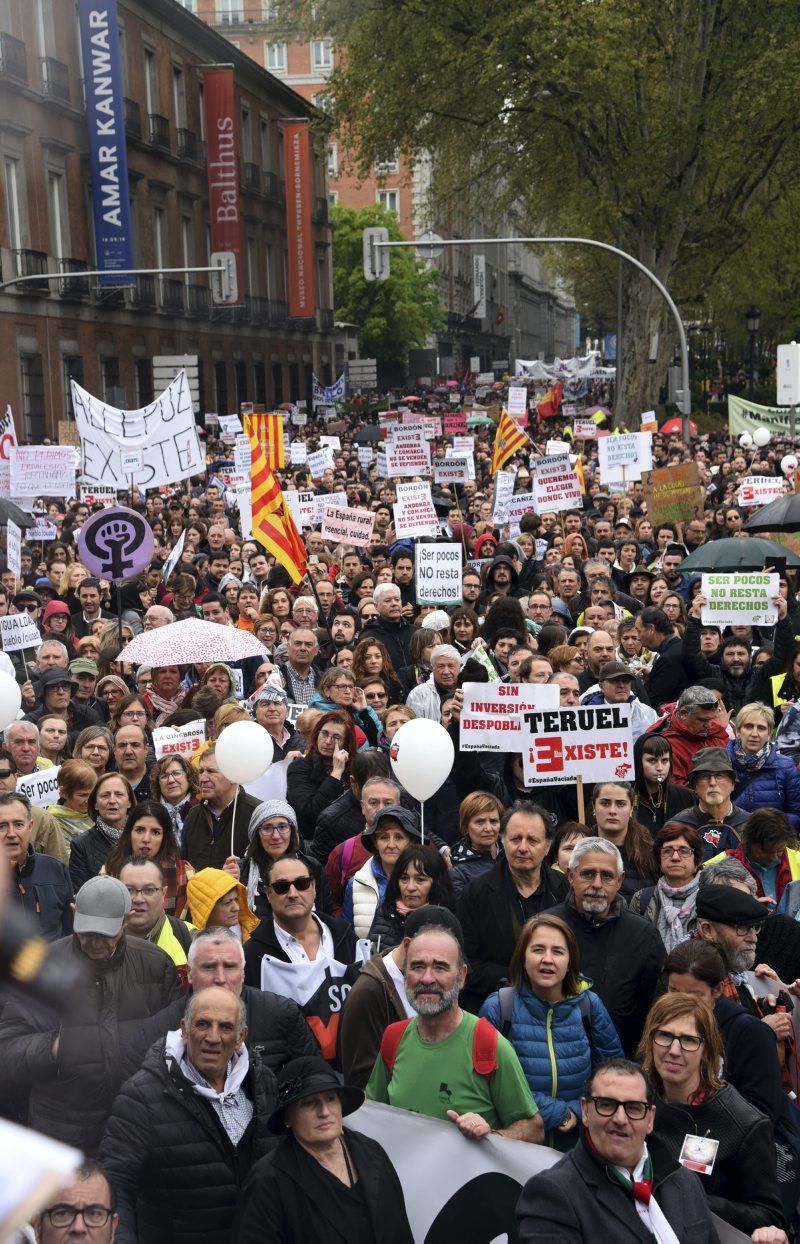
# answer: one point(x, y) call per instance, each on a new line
point(26, 596)
point(303, 1077)
point(431, 914)
point(725, 904)
point(406, 819)
point(55, 678)
point(614, 669)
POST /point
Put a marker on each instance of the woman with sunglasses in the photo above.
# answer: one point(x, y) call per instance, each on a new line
point(273, 834)
point(703, 1121)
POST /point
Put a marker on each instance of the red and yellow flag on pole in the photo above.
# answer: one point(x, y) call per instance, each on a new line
point(268, 431)
point(273, 525)
point(508, 439)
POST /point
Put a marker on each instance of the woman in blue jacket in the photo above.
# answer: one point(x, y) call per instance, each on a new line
point(764, 777)
point(559, 1028)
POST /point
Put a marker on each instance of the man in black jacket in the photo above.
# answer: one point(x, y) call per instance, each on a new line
point(185, 1130)
point(40, 884)
point(668, 676)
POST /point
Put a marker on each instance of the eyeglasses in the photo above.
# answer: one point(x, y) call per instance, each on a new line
point(686, 1040)
point(173, 773)
point(608, 1106)
point(282, 828)
point(65, 1215)
point(683, 852)
point(149, 891)
point(342, 686)
point(283, 887)
point(741, 930)
point(133, 714)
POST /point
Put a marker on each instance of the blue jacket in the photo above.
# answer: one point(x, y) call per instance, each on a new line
point(551, 1044)
point(775, 785)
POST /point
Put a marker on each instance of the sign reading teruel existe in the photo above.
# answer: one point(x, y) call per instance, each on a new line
point(299, 202)
point(222, 146)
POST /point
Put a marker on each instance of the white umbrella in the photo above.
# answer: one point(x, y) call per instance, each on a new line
point(191, 642)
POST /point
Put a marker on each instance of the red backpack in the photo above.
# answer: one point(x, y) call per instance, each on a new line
point(484, 1046)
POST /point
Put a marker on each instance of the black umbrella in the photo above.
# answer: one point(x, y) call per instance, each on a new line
point(369, 433)
point(737, 553)
point(780, 515)
point(10, 511)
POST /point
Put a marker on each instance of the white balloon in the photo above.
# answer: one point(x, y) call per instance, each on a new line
point(422, 757)
point(789, 464)
point(745, 440)
point(762, 437)
point(10, 700)
point(243, 751)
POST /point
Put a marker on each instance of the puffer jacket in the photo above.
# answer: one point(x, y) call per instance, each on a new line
point(310, 788)
point(175, 1171)
point(468, 864)
point(88, 854)
point(551, 1043)
point(775, 785)
point(206, 888)
point(426, 701)
point(364, 895)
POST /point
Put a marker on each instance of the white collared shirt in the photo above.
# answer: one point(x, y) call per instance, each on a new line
point(296, 951)
point(652, 1215)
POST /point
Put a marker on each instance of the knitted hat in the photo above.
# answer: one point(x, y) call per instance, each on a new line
point(271, 807)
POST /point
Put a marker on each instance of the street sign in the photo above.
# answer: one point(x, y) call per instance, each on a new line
point(787, 374)
point(224, 286)
point(430, 246)
point(376, 260)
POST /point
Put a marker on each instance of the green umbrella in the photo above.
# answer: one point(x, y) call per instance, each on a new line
point(739, 553)
point(478, 421)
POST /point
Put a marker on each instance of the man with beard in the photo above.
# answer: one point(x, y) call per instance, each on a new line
point(734, 666)
point(428, 1064)
point(715, 817)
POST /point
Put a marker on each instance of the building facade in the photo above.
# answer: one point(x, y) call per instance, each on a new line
point(106, 337)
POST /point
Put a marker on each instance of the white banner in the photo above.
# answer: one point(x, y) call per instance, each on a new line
point(437, 568)
point(491, 719)
point(14, 548)
point(739, 599)
point(407, 458)
point(555, 485)
point(179, 740)
point(347, 526)
point(242, 455)
point(8, 433)
point(41, 787)
point(17, 631)
point(503, 491)
point(165, 431)
point(459, 469)
point(564, 744)
point(298, 453)
point(414, 513)
point(623, 458)
point(479, 288)
point(760, 490)
point(42, 470)
point(318, 988)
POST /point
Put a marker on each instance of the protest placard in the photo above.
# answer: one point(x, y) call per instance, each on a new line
point(491, 718)
point(347, 526)
point(521, 503)
point(555, 484)
point(414, 513)
point(242, 454)
point(381, 465)
point(14, 548)
point(42, 470)
point(410, 430)
point(17, 631)
point(130, 461)
point(330, 442)
point(244, 503)
point(319, 462)
point(456, 470)
point(337, 500)
point(455, 424)
point(298, 453)
point(624, 458)
point(433, 427)
point(557, 449)
point(464, 444)
point(98, 496)
point(437, 568)
point(301, 506)
point(211, 419)
point(503, 491)
point(407, 458)
point(673, 494)
point(42, 530)
point(41, 787)
point(179, 740)
point(648, 421)
point(592, 743)
point(739, 599)
point(299, 418)
point(760, 490)
point(584, 430)
point(8, 433)
point(517, 403)
point(165, 431)
point(365, 455)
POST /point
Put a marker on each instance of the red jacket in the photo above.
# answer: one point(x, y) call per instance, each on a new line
point(685, 745)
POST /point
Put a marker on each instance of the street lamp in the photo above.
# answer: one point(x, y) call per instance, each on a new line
point(753, 320)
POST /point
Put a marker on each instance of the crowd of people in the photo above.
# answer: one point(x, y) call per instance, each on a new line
point(612, 978)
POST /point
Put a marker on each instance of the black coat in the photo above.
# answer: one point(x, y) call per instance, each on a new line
point(310, 789)
point(42, 887)
point(279, 1205)
point(697, 667)
point(88, 854)
point(341, 820)
point(668, 675)
point(491, 919)
point(395, 636)
point(207, 842)
point(70, 1095)
point(175, 1171)
point(263, 941)
point(622, 956)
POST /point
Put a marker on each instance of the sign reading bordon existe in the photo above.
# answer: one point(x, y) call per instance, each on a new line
point(739, 599)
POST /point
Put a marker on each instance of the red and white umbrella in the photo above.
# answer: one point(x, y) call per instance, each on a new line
point(191, 642)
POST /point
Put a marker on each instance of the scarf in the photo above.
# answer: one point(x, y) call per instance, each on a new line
point(173, 812)
point(108, 831)
point(641, 1188)
point(751, 762)
point(676, 911)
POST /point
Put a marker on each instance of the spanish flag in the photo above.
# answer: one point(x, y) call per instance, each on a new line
point(268, 431)
point(507, 441)
point(273, 525)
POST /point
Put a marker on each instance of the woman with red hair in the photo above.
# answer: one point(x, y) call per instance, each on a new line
point(315, 780)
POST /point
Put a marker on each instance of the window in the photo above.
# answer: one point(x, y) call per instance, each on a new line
point(268, 270)
point(109, 376)
point(57, 204)
point(322, 53)
point(389, 199)
point(264, 143)
point(14, 201)
point(45, 35)
point(333, 197)
point(277, 383)
point(229, 12)
point(333, 160)
point(247, 146)
point(187, 248)
point(276, 57)
point(143, 382)
point(251, 258)
point(388, 168)
point(72, 365)
point(32, 381)
point(221, 387)
point(179, 97)
point(151, 93)
point(160, 247)
point(259, 383)
point(323, 100)
point(201, 114)
point(191, 5)
point(240, 378)
point(267, 10)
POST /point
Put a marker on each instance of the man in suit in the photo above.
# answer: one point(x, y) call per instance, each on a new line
point(616, 1184)
point(668, 676)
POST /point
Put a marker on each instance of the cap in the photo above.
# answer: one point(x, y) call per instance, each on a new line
point(405, 818)
point(431, 914)
point(26, 596)
point(82, 665)
point(46, 585)
point(614, 669)
point(726, 904)
point(101, 905)
point(55, 678)
point(711, 760)
point(577, 631)
point(274, 694)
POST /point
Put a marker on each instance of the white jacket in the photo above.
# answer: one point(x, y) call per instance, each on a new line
point(366, 897)
point(642, 716)
point(425, 700)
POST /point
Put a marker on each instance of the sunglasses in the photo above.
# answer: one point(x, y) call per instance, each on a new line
point(283, 887)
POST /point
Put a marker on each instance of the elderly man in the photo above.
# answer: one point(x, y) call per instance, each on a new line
point(51, 654)
point(207, 828)
point(271, 710)
point(83, 1210)
point(615, 686)
point(305, 612)
point(56, 688)
point(47, 835)
point(389, 626)
point(200, 1103)
point(156, 616)
point(39, 883)
point(568, 689)
point(427, 1064)
point(298, 672)
point(689, 728)
point(620, 953)
point(715, 816)
point(426, 699)
point(22, 741)
point(613, 1184)
point(599, 651)
point(84, 677)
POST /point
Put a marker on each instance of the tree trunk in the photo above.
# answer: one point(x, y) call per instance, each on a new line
point(644, 313)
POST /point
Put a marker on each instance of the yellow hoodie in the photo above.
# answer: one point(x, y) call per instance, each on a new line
point(207, 887)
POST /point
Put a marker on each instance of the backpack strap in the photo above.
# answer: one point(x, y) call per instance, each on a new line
point(647, 893)
point(390, 1043)
point(344, 861)
point(506, 997)
point(484, 1048)
point(585, 1009)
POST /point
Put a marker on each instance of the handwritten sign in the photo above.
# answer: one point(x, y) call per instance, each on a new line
point(17, 631)
point(42, 470)
point(14, 548)
point(230, 425)
point(739, 599)
point(673, 494)
point(347, 526)
point(555, 484)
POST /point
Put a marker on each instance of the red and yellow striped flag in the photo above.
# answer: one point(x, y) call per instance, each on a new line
point(273, 525)
point(268, 431)
point(508, 439)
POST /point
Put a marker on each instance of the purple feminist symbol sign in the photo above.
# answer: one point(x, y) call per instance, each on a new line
point(116, 544)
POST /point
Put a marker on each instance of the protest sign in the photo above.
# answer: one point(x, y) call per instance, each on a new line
point(365, 455)
point(521, 503)
point(244, 502)
point(648, 421)
point(464, 444)
point(130, 461)
point(381, 465)
point(673, 494)
point(517, 403)
point(211, 419)
point(319, 989)
point(409, 431)
point(491, 718)
point(330, 442)
point(42, 470)
point(116, 544)
point(179, 740)
point(433, 427)
point(585, 430)
point(42, 530)
point(503, 491)
point(557, 448)
point(174, 557)
point(17, 631)
point(624, 458)
point(760, 490)
point(165, 431)
point(98, 496)
point(242, 454)
point(41, 787)
point(318, 463)
point(298, 453)
point(438, 574)
point(739, 599)
point(480, 655)
point(561, 745)
point(455, 470)
point(407, 458)
point(414, 514)
point(455, 424)
point(337, 500)
point(347, 526)
point(299, 418)
point(555, 484)
point(14, 548)
point(8, 434)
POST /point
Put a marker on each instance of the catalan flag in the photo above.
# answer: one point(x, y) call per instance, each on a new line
point(268, 431)
point(509, 438)
point(273, 525)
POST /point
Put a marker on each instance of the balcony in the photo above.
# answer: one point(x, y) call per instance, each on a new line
point(234, 17)
point(170, 297)
point(143, 293)
point(198, 300)
point(251, 177)
point(133, 119)
point(321, 211)
point(13, 64)
point(259, 310)
point(157, 130)
point(186, 141)
point(73, 286)
point(55, 79)
point(271, 187)
point(277, 312)
point(112, 296)
point(325, 319)
point(31, 263)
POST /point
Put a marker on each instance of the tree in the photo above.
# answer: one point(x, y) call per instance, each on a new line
point(667, 127)
point(391, 315)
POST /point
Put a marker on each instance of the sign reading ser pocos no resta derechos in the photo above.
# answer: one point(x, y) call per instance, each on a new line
point(438, 571)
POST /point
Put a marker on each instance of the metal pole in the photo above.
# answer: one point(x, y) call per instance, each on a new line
point(685, 403)
point(59, 276)
point(618, 360)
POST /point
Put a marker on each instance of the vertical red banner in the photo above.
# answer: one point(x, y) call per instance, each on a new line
point(299, 174)
point(222, 154)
